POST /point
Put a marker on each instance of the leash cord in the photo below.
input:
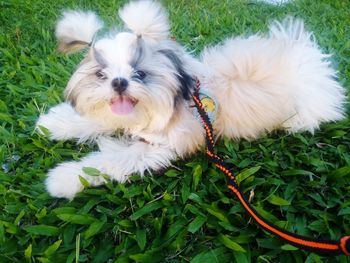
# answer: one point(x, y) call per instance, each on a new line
point(322, 247)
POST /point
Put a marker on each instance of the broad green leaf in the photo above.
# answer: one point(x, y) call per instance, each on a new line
point(228, 226)
point(268, 242)
point(45, 131)
point(276, 200)
point(41, 213)
point(194, 210)
point(301, 138)
point(51, 249)
point(64, 210)
point(141, 238)
point(218, 214)
point(246, 173)
point(242, 257)
point(172, 173)
point(93, 229)
point(133, 191)
point(43, 260)
point(77, 219)
point(289, 247)
point(339, 173)
point(185, 192)
point(267, 215)
point(318, 198)
point(43, 230)
point(10, 227)
point(175, 228)
point(167, 197)
point(122, 259)
point(180, 240)
point(91, 171)
point(77, 248)
point(318, 226)
point(146, 210)
point(28, 252)
point(88, 206)
point(69, 233)
point(2, 234)
point(83, 181)
point(230, 244)
point(197, 175)
point(104, 253)
point(148, 257)
point(19, 217)
point(196, 224)
point(313, 258)
point(344, 211)
point(126, 223)
point(196, 198)
point(211, 256)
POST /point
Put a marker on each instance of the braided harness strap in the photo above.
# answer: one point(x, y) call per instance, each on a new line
point(322, 247)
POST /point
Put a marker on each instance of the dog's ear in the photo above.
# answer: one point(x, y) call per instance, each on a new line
point(147, 19)
point(185, 80)
point(76, 29)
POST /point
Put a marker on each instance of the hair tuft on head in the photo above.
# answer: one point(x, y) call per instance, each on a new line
point(76, 30)
point(146, 19)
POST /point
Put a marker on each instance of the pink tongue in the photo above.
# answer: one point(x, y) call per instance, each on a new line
point(122, 106)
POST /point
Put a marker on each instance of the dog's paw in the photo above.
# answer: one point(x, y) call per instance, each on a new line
point(63, 181)
point(58, 122)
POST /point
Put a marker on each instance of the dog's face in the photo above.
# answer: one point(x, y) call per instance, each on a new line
point(130, 81)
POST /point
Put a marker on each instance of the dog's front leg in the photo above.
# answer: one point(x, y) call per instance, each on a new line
point(117, 158)
point(64, 123)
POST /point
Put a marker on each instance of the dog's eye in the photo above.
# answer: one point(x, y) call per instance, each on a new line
point(101, 75)
point(139, 74)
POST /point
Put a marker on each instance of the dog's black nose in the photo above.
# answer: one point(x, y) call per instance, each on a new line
point(120, 84)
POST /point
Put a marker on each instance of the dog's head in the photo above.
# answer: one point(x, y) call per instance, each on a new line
point(133, 79)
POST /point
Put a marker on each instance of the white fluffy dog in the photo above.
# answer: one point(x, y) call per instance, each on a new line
point(132, 92)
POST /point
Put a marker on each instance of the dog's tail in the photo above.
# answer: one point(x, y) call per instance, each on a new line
point(318, 95)
point(146, 19)
point(291, 28)
point(76, 29)
point(279, 80)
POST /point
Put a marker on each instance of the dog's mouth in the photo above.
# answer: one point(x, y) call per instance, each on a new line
point(123, 105)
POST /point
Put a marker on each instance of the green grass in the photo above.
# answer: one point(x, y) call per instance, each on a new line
point(301, 182)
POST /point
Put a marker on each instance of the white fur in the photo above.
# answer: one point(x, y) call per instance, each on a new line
point(77, 26)
point(146, 19)
point(275, 2)
point(65, 123)
point(262, 82)
point(282, 80)
point(116, 158)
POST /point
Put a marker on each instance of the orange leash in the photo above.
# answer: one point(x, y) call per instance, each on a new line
point(322, 247)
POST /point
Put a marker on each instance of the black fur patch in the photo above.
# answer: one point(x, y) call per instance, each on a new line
point(71, 99)
point(187, 83)
point(139, 53)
